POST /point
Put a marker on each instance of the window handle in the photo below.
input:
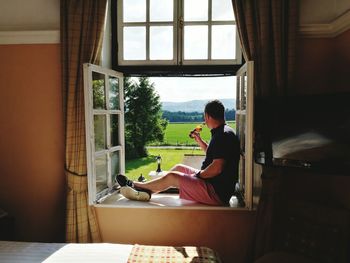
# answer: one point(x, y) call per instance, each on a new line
point(181, 22)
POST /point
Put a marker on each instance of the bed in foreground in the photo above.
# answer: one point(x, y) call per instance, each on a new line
point(26, 252)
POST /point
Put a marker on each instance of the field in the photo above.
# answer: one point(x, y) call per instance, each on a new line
point(170, 157)
point(177, 133)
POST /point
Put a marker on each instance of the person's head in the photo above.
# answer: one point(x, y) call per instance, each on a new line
point(214, 113)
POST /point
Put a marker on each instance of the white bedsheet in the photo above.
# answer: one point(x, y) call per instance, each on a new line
point(11, 252)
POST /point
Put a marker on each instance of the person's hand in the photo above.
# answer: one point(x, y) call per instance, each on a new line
point(191, 134)
point(198, 129)
point(196, 136)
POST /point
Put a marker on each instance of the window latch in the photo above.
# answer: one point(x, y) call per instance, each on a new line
point(181, 22)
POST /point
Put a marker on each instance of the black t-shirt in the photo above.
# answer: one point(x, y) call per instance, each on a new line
point(223, 145)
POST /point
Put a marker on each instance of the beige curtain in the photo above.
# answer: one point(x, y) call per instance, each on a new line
point(268, 31)
point(82, 23)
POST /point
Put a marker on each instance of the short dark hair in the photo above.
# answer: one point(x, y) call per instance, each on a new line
point(215, 109)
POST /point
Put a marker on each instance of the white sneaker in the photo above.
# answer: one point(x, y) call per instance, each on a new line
point(133, 194)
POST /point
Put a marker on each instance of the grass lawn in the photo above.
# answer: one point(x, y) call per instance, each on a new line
point(177, 133)
point(170, 157)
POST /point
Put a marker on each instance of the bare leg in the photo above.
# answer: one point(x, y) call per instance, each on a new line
point(160, 184)
point(184, 169)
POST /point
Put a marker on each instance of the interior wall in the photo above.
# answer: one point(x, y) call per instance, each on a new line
point(32, 181)
point(323, 65)
point(29, 15)
point(229, 232)
point(342, 62)
point(321, 11)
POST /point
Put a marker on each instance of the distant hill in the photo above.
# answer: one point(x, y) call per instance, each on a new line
point(194, 105)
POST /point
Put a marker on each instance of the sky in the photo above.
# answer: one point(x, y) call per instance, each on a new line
point(177, 89)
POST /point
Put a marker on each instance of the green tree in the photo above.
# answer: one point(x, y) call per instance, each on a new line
point(143, 117)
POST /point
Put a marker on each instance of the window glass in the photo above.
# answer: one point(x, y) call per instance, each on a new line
point(134, 43)
point(161, 42)
point(175, 32)
point(134, 10)
point(114, 130)
point(105, 126)
point(101, 173)
point(241, 119)
point(196, 42)
point(223, 42)
point(161, 10)
point(222, 10)
point(244, 95)
point(113, 93)
point(98, 86)
point(100, 132)
point(115, 164)
point(196, 10)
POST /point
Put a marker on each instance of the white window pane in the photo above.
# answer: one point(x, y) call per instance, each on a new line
point(135, 43)
point(98, 91)
point(113, 93)
point(114, 130)
point(161, 10)
point(161, 42)
point(222, 10)
point(134, 10)
point(223, 42)
point(101, 173)
point(196, 10)
point(196, 42)
point(115, 164)
point(100, 132)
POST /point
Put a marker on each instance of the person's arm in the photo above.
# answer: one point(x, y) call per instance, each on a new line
point(214, 169)
point(199, 140)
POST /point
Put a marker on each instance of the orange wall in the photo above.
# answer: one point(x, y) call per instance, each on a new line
point(32, 182)
point(323, 64)
point(229, 232)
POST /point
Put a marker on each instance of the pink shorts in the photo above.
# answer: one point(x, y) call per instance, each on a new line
point(196, 189)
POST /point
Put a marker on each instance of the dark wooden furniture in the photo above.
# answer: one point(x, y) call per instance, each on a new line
point(7, 226)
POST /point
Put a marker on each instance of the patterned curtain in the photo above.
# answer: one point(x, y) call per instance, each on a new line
point(268, 31)
point(82, 24)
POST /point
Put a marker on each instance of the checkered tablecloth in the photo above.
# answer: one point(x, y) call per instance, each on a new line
point(168, 254)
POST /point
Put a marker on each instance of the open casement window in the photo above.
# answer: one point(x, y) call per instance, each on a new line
point(104, 118)
point(176, 32)
point(244, 129)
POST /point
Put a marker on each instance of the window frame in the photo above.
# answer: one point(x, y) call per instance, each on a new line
point(178, 66)
point(242, 109)
point(90, 112)
point(181, 70)
point(209, 23)
point(147, 25)
point(245, 108)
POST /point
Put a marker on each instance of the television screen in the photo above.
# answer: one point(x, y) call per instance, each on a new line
point(310, 131)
